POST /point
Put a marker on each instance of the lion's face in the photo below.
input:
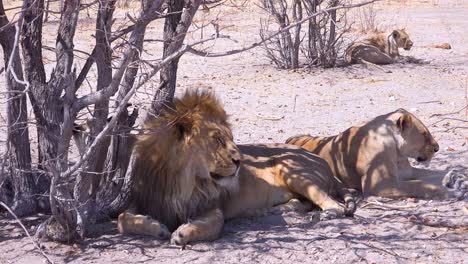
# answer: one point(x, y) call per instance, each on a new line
point(402, 39)
point(216, 151)
point(418, 141)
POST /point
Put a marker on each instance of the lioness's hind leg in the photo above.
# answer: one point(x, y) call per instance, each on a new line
point(314, 182)
point(129, 223)
point(371, 54)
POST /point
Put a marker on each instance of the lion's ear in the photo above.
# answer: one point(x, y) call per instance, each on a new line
point(183, 130)
point(396, 34)
point(404, 122)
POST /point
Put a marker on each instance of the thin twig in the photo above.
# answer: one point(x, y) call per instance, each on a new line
point(272, 118)
point(36, 244)
point(466, 97)
point(451, 113)
point(388, 206)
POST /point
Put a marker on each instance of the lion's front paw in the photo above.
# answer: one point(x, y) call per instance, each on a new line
point(456, 181)
point(350, 207)
point(330, 214)
point(181, 236)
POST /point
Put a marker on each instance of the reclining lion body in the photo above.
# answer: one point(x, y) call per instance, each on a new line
point(273, 174)
point(190, 175)
point(379, 49)
point(373, 158)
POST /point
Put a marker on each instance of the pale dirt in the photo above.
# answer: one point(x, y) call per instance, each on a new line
point(269, 105)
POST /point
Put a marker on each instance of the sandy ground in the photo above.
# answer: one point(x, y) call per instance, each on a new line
point(268, 105)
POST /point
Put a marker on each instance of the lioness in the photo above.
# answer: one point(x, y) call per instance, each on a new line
point(373, 158)
point(190, 175)
point(380, 48)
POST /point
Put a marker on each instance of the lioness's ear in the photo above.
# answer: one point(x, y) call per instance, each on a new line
point(396, 34)
point(404, 122)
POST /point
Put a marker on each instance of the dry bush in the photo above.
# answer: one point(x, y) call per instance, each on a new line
point(283, 50)
point(367, 18)
point(321, 39)
point(325, 33)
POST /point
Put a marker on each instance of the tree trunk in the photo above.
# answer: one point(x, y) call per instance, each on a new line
point(88, 180)
point(331, 49)
point(34, 68)
point(114, 195)
point(52, 111)
point(17, 122)
point(297, 16)
point(114, 191)
point(175, 29)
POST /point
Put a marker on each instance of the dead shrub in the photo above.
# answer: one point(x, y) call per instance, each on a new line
point(320, 40)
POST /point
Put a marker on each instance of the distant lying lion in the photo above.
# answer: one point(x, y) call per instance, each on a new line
point(190, 175)
point(380, 48)
point(373, 158)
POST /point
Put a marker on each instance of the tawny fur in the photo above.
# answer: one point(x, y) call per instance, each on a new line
point(190, 175)
point(373, 158)
point(162, 156)
point(380, 48)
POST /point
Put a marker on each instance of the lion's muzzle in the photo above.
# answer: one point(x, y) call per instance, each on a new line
point(408, 45)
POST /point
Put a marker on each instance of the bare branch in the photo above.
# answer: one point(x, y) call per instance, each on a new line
point(267, 38)
point(107, 92)
point(147, 18)
point(123, 104)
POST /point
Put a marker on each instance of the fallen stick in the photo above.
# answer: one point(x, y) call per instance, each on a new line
point(272, 118)
point(388, 206)
point(36, 244)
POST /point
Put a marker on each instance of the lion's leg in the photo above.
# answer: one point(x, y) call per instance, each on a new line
point(444, 183)
point(426, 188)
point(135, 224)
point(408, 172)
point(439, 180)
point(383, 180)
point(204, 228)
point(308, 182)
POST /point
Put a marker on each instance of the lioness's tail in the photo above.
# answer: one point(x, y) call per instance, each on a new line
point(307, 142)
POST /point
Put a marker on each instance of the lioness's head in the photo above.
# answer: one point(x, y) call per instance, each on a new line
point(418, 141)
point(402, 39)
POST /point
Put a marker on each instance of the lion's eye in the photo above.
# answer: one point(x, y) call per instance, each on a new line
point(221, 141)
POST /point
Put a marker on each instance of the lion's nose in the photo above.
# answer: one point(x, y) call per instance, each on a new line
point(436, 147)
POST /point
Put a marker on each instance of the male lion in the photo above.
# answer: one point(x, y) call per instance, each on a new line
point(373, 158)
point(380, 48)
point(190, 175)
